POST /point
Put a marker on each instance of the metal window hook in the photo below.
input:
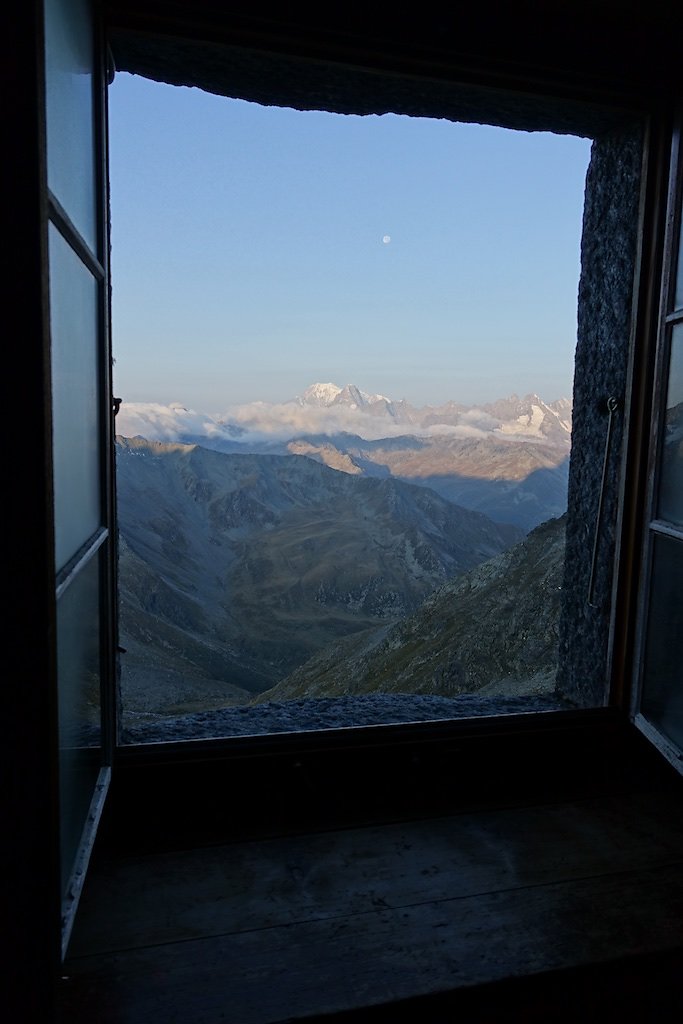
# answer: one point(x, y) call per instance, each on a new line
point(612, 407)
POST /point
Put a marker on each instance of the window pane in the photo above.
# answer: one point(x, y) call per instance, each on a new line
point(76, 418)
point(671, 484)
point(662, 698)
point(78, 664)
point(70, 139)
point(678, 292)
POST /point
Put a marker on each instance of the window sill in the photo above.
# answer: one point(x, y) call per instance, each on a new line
point(570, 906)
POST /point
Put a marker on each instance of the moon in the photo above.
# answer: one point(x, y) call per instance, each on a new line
point(386, 239)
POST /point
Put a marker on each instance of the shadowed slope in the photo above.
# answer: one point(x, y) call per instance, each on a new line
point(491, 631)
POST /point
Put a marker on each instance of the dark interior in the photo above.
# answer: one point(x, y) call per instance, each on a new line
point(517, 869)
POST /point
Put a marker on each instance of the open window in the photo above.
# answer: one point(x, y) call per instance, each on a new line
point(602, 358)
point(314, 776)
point(275, 560)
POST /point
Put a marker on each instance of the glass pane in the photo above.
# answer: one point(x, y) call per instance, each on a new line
point(671, 483)
point(70, 137)
point(76, 417)
point(678, 292)
point(662, 698)
point(78, 663)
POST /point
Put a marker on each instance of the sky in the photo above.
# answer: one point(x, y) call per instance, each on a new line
point(256, 250)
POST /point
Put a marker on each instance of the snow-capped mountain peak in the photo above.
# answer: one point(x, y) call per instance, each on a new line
point(319, 395)
point(322, 396)
point(352, 396)
point(327, 408)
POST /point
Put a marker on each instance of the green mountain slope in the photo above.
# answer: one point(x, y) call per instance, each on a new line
point(492, 631)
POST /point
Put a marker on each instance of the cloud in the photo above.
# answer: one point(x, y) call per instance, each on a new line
point(256, 424)
point(167, 422)
point(286, 420)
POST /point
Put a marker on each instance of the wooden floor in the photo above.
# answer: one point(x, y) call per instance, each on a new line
point(278, 929)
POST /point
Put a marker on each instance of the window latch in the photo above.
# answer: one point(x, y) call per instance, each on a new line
point(116, 405)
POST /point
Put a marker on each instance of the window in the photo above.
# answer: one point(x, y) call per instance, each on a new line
point(248, 253)
point(659, 711)
point(77, 255)
point(605, 313)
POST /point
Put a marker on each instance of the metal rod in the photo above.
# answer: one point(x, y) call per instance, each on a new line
point(612, 406)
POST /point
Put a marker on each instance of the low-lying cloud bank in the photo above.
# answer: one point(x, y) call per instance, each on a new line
point(260, 423)
point(172, 422)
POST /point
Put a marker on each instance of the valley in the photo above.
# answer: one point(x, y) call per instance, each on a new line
point(257, 568)
point(235, 569)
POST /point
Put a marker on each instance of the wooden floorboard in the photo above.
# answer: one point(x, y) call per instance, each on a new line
point(167, 897)
point(265, 931)
point(270, 974)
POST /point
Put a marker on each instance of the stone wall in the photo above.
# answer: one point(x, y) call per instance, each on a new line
point(608, 253)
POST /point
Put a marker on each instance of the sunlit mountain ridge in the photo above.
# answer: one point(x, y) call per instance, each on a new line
point(330, 408)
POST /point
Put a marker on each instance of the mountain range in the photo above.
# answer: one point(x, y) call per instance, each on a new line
point(528, 418)
point(235, 569)
point(508, 459)
point(329, 408)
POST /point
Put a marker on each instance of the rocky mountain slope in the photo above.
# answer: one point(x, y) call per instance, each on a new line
point(524, 484)
point(235, 569)
point(492, 631)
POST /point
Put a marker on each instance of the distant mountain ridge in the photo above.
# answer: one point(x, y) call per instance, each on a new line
point(330, 408)
point(528, 417)
point(508, 459)
point(520, 484)
point(325, 395)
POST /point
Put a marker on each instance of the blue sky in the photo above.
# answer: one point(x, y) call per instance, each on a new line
point(257, 249)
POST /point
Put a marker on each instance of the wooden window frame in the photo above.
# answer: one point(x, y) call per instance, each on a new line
point(669, 316)
point(316, 762)
point(100, 545)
